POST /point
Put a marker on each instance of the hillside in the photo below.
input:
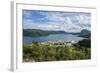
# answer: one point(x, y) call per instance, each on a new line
point(85, 33)
point(38, 32)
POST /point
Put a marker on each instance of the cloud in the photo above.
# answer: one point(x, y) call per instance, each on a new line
point(70, 22)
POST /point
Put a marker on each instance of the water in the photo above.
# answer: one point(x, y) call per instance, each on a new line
point(53, 37)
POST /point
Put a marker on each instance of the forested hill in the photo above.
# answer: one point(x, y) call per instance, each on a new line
point(85, 33)
point(38, 32)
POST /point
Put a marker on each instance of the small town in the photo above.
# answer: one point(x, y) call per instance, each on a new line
point(58, 43)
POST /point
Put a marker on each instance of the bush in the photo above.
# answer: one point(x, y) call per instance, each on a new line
point(85, 43)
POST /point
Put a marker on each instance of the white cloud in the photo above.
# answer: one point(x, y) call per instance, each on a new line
point(83, 19)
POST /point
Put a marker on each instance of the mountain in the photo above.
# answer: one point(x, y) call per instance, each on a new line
point(85, 33)
point(38, 32)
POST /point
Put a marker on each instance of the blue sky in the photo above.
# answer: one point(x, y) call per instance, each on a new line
point(51, 20)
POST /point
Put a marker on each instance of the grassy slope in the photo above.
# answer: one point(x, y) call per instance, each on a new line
point(45, 52)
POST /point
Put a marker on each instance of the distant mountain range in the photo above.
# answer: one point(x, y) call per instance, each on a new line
point(37, 32)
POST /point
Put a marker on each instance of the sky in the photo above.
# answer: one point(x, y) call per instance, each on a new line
point(56, 20)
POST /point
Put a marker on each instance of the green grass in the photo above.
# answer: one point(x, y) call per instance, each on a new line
point(39, 52)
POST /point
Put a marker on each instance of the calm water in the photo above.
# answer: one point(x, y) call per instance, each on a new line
point(53, 37)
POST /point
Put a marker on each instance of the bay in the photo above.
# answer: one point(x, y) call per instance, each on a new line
point(52, 37)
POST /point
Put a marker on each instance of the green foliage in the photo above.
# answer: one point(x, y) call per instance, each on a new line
point(85, 43)
point(44, 52)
